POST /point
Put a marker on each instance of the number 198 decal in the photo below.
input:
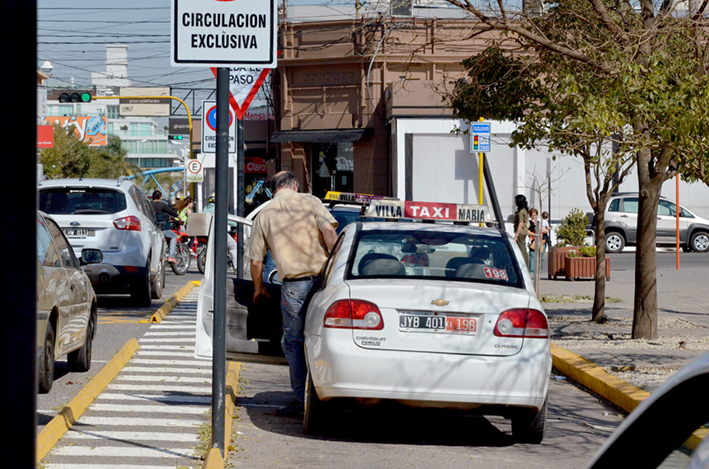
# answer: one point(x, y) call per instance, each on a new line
point(498, 274)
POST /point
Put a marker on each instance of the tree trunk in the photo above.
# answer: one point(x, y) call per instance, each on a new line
point(598, 314)
point(645, 307)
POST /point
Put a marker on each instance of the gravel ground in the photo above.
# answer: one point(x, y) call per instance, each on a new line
point(579, 333)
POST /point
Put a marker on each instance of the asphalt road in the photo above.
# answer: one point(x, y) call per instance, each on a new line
point(400, 437)
point(118, 322)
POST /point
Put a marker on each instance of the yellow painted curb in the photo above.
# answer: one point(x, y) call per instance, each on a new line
point(63, 421)
point(619, 392)
point(232, 389)
point(169, 304)
point(214, 458)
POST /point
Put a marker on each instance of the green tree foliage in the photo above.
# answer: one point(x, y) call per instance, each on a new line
point(70, 158)
point(631, 71)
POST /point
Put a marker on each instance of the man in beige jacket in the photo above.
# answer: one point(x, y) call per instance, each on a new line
point(300, 233)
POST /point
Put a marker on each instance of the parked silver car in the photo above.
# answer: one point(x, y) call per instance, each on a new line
point(66, 303)
point(621, 224)
point(115, 217)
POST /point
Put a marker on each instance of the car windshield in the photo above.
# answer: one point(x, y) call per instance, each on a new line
point(81, 201)
point(433, 255)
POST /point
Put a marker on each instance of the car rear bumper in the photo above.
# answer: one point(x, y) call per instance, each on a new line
point(431, 379)
point(108, 278)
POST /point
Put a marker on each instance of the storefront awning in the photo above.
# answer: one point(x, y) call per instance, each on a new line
point(320, 136)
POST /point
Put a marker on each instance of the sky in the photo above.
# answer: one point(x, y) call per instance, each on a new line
point(72, 35)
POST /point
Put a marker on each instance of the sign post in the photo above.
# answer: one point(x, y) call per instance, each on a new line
point(222, 34)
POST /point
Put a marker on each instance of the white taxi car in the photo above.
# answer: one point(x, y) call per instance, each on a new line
point(424, 314)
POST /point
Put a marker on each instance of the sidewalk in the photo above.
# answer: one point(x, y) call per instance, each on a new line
point(683, 322)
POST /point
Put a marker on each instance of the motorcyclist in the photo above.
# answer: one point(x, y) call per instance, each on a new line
point(161, 207)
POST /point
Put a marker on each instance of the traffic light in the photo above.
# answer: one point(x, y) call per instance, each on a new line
point(175, 137)
point(75, 96)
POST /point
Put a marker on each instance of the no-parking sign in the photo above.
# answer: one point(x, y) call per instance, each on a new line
point(209, 128)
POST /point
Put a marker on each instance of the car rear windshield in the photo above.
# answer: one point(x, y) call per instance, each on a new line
point(442, 256)
point(81, 201)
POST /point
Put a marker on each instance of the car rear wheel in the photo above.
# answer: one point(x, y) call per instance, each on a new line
point(314, 416)
point(80, 360)
point(700, 242)
point(141, 289)
point(528, 427)
point(615, 242)
point(45, 365)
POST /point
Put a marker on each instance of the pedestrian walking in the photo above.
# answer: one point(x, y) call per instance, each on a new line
point(300, 233)
point(521, 225)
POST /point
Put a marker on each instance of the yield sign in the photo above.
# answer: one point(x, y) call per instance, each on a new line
point(244, 83)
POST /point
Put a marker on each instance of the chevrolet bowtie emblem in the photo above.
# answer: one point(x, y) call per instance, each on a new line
point(440, 302)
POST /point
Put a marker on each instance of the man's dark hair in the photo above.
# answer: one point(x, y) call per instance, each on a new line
point(282, 179)
point(157, 195)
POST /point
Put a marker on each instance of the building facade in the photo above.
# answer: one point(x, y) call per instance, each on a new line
point(359, 104)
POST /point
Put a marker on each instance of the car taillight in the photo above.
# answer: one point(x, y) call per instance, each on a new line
point(528, 323)
point(131, 223)
point(354, 314)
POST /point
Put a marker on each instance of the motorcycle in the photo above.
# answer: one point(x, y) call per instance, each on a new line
point(183, 253)
point(199, 248)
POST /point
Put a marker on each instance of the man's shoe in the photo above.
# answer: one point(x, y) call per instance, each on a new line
point(294, 409)
point(172, 260)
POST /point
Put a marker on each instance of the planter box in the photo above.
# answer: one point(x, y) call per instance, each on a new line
point(584, 267)
point(556, 264)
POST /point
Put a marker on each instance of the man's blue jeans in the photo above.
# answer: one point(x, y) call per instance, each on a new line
point(294, 301)
point(171, 236)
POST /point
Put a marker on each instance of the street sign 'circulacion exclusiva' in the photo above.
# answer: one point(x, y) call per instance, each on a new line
point(224, 33)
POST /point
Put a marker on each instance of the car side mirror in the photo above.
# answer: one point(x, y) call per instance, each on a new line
point(91, 256)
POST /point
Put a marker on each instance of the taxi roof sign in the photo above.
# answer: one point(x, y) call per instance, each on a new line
point(440, 211)
point(349, 197)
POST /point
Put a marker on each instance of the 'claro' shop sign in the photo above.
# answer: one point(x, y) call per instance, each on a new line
point(221, 33)
point(254, 165)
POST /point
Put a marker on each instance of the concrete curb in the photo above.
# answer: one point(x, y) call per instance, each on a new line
point(619, 392)
point(63, 421)
point(169, 304)
point(214, 458)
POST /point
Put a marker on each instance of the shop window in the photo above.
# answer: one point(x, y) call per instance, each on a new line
point(333, 167)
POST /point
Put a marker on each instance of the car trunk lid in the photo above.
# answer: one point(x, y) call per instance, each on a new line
point(452, 317)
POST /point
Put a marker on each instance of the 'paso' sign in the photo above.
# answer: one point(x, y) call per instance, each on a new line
point(225, 33)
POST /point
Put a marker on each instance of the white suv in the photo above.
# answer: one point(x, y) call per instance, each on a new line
point(621, 224)
point(115, 217)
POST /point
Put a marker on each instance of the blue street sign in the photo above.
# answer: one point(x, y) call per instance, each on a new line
point(480, 137)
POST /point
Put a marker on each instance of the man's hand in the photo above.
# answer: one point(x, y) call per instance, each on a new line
point(259, 292)
point(257, 276)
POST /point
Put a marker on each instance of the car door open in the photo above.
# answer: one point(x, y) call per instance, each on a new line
point(254, 331)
